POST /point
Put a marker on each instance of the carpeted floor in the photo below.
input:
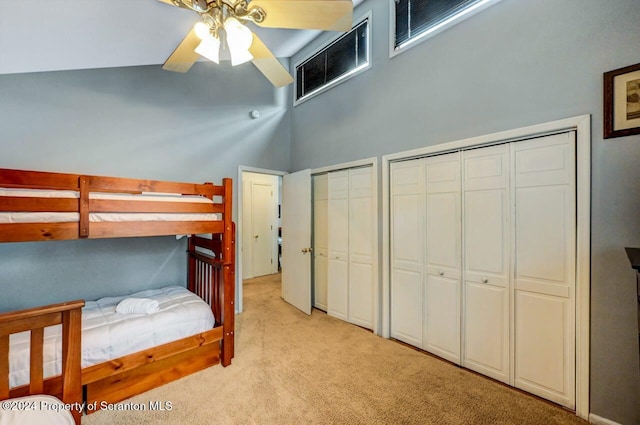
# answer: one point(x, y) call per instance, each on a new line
point(296, 369)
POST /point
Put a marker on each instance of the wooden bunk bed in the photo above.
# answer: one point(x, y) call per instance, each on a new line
point(44, 206)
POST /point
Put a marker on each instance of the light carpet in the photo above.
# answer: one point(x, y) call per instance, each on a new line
point(290, 368)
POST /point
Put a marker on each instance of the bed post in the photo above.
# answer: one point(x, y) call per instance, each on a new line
point(228, 258)
point(191, 264)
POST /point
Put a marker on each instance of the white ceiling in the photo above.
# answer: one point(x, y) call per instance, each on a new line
point(53, 35)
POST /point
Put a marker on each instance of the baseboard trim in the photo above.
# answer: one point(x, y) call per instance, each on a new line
point(599, 420)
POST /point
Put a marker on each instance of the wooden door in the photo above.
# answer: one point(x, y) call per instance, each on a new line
point(544, 280)
point(361, 247)
point(486, 289)
point(407, 193)
point(296, 240)
point(443, 257)
point(320, 239)
point(338, 263)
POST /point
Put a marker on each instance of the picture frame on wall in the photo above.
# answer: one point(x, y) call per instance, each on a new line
point(622, 102)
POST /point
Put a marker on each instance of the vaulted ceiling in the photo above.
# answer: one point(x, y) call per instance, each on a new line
point(53, 35)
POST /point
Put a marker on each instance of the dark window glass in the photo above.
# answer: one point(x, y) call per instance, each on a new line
point(335, 60)
point(413, 17)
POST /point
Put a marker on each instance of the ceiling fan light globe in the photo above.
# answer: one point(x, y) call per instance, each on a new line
point(202, 30)
point(239, 39)
point(209, 48)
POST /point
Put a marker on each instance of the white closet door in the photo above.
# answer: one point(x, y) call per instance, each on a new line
point(544, 172)
point(320, 239)
point(407, 250)
point(338, 263)
point(487, 261)
point(361, 247)
point(443, 260)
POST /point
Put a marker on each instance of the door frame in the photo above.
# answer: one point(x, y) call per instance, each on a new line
point(378, 312)
point(582, 125)
point(241, 170)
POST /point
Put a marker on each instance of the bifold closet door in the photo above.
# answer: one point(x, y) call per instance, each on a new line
point(320, 239)
point(338, 242)
point(407, 250)
point(545, 245)
point(361, 247)
point(442, 293)
point(487, 261)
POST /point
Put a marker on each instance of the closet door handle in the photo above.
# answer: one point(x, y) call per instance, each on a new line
point(485, 280)
point(441, 273)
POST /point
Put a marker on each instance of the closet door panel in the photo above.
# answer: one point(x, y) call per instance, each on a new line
point(486, 236)
point(443, 256)
point(486, 330)
point(338, 241)
point(407, 250)
point(442, 313)
point(321, 268)
point(361, 247)
point(361, 295)
point(320, 239)
point(542, 345)
point(544, 171)
point(486, 223)
point(406, 306)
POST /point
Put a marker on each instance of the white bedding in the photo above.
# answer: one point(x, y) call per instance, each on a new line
point(54, 217)
point(107, 335)
point(35, 410)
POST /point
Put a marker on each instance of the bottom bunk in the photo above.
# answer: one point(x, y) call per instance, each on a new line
point(137, 342)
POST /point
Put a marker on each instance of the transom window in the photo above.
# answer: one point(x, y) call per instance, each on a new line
point(415, 20)
point(339, 60)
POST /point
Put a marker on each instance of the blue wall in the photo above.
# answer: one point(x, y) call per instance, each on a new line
point(138, 122)
point(517, 63)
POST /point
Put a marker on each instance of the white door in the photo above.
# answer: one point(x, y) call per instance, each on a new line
point(296, 240)
point(487, 261)
point(443, 260)
point(544, 280)
point(361, 247)
point(338, 263)
point(320, 239)
point(407, 250)
point(262, 229)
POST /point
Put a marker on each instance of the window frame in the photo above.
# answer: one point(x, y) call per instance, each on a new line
point(433, 30)
point(347, 76)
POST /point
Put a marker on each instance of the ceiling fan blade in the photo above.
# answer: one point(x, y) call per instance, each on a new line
point(332, 15)
point(184, 56)
point(268, 64)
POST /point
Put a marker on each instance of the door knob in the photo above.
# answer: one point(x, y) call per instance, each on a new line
point(485, 280)
point(256, 236)
point(441, 273)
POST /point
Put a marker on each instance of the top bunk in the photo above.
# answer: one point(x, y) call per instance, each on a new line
point(40, 206)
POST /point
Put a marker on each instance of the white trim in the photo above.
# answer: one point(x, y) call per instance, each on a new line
point(379, 314)
point(356, 71)
point(238, 197)
point(343, 166)
point(582, 124)
point(599, 420)
point(436, 29)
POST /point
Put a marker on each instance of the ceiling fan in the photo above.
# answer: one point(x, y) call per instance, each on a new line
point(222, 23)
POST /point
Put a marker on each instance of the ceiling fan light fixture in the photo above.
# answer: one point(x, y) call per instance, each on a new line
point(239, 39)
point(202, 30)
point(209, 48)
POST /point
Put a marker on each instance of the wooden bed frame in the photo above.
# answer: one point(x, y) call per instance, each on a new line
point(212, 277)
point(67, 386)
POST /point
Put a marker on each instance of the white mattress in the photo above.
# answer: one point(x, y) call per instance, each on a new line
point(53, 217)
point(35, 409)
point(107, 335)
